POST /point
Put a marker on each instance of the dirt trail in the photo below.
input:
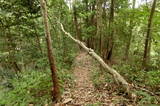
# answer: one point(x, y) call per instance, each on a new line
point(83, 92)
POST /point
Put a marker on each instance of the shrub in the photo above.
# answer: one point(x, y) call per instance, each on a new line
point(30, 87)
point(153, 78)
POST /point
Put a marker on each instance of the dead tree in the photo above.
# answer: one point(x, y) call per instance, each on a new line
point(112, 71)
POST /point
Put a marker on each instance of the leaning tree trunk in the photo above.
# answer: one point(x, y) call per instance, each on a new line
point(55, 89)
point(112, 71)
point(148, 37)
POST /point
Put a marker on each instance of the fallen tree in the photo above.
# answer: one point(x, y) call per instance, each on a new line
point(112, 71)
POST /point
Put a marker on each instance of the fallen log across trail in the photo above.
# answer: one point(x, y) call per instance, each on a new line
point(112, 71)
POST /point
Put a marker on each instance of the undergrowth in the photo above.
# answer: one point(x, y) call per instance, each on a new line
point(31, 87)
point(33, 84)
point(145, 79)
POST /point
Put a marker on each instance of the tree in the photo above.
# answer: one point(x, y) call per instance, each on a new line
point(78, 32)
point(148, 37)
point(55, 89)
point(99, 25)
point(130, 32)
point(111, 32)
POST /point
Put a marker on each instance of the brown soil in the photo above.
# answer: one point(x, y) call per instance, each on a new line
point(83, 92)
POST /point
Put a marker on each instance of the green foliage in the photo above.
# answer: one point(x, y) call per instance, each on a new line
point(153, 78)
point(95, 104)
point(30, 87)
point(100, 78)
point(145, 98)
point(95, 79)
point(135, 75)
point(41, 63)
point(22, 41)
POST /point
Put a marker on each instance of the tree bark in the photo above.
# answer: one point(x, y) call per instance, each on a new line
point(76, 22)
point(148, 38)
point(130, 33)
point(55, 89)
point(111, 32)
point(99, 25)
point(112, 71)
point(91, 21)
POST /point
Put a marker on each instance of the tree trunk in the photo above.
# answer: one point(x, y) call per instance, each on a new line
point(93, 22)
point(88, 41)
point(99, 25)
point(55, 89)
point(130, 34)
point(76, 22)
point(111, 33)
point(148, 38)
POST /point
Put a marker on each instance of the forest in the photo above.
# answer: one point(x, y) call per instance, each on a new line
point(79, 53)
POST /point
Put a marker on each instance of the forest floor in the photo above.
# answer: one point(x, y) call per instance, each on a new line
point(83, 93)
